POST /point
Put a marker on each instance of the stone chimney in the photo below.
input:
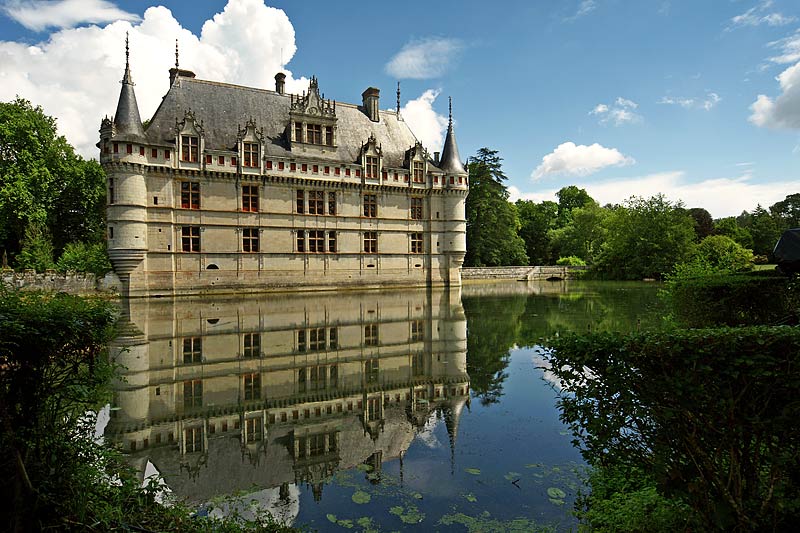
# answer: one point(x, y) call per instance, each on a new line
point(436, 158)
point(371, 99)
point(280, 83)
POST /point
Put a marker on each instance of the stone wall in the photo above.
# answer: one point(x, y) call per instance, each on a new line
point(69, 282)
point(527, 273)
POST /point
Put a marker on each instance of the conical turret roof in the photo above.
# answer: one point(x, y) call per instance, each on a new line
point(127, 122)
point(451, 161)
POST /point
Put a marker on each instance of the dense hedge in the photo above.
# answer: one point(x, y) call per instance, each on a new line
point(735, 300)
point(709, 414)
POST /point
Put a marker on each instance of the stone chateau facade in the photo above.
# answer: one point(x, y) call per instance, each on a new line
point(232, 188)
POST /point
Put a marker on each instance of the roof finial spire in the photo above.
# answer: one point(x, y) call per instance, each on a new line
point(176, 54)
point(127, 51)
point(398, 97)
point(126, 78)
point(450, 106)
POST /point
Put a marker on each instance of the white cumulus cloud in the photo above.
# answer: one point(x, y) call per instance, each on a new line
point(580, 160)
point(618, 113)
point(38, 15)
point(424, 58)
point(784, 110)
point(243, 45)
point(722, 197)
point(428, 126)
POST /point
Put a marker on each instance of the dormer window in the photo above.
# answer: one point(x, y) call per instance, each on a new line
point(314, 134)
point(250, 155)
point(189, 148)
point(371, 166)
point(419, 172)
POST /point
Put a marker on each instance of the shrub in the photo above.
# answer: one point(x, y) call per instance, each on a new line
point(699, 298)
point(571, 260)
point(37, 249)
point(723, 253)
point(709, 414)
point(83, 257)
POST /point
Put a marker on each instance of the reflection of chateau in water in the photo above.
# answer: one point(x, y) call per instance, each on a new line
point(226, 395)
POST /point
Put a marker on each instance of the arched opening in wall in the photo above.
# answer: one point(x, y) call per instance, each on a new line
point(212, 266)
point(554, 278)
point(212, 321)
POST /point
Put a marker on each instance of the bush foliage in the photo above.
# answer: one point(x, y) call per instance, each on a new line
point(700, 298)
point(709, 414)
point(83, 257)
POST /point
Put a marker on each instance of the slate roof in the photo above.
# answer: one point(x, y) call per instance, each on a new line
point(127, 121)
point(224, 108)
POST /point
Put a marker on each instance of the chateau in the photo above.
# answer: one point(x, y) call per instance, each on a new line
point(232, 188)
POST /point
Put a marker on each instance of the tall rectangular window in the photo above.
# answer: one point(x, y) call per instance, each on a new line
point(194, 439)
point(221, 160)
point(419, 172)
point(250, 198)
point(301, 202)
point(316, 339)
point(314, 134)
point(251, 345)
point(250, 155)
point(252, 386)
point(253, 429)
point(301, 241)
point(332, 242)
point(316, 241)
point(371, 242)
point(190, 238)
point(316, 202)
point(331, 203)
point(370, 205)
point(298, 132)
point(371, 167)
point(329, 135)
point(190, 195)
point(193, 393)
point(416, 243)
point(250, 239)
point(192, 350)
point(371, 369)
point(301, 340)
point(189, 147)
point(417, 330)
point(371, 335)
point(334, 338)
point(416, 208)
point(112, 197)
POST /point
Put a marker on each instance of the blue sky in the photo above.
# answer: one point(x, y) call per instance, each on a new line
point(697, 99)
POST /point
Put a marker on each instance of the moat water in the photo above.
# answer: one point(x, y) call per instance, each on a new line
point(363, 411)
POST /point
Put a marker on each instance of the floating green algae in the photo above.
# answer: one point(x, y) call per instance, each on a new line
point(409, 515)
point(473, 471)
point(556, 493)
point(470, 497)
point(486, 524)
point(361, 497)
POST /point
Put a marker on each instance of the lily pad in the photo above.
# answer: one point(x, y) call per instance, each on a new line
point(473, 471)
point(533, 465)
point(417, 495)
point(331, 518)
point(511, 476)
point(396, 510)
point(361, 497)
point(556, 501)
point(556, 494)
point(364, 521)
point(470, 497)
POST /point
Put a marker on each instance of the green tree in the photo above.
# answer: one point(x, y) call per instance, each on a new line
point(492, 222)
point(569, 198)
point(37, 248)
point(43, 181)
point(787, 211)
point(733, 228)
point(645, 239)
point(765, 229)
point(703, 223)
point(83, 257)
point(584, 234)
point(723, 253)
point(535, 221)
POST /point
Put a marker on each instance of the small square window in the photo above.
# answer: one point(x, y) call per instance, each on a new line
point(337, 171)
point(154, 153)
point(293, 167)
point(315, 169)
point(141, 150)
point(327, 170)
point(116, 148)
point(129, 148)
point(234, 161)
point(347, 172)
point(269, 165)
point(208, 159)
point(304, 168)
point(166, 154)
point(221, 160)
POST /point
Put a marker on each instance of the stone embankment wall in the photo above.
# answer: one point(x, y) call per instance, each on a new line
point(69, 282)
point(528, 273)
